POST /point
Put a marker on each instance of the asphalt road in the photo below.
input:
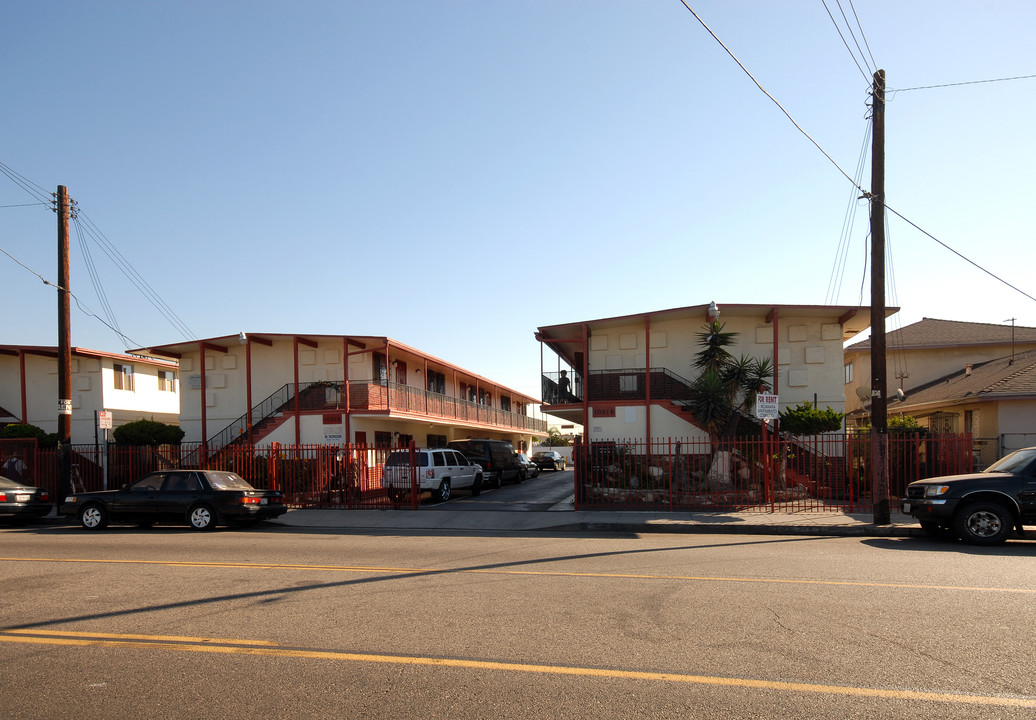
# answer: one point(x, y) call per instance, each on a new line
point(275, 622)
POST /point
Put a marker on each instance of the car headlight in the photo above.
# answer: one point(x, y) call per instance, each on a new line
point(936, 490)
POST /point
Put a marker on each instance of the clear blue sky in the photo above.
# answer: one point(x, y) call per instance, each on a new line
point(455, 174)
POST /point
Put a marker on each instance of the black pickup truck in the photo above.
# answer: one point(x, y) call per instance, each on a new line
point(981, 508)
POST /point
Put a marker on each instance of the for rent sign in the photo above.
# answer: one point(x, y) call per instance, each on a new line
point(766, 407)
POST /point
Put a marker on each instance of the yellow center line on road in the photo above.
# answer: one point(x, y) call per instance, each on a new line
point(254, 648)
point(536, 573)
point(124, 636)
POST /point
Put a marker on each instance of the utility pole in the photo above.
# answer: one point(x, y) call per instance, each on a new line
point(64, 351)
point(879, 368)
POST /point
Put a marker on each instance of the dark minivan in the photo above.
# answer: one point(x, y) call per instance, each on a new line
point(496, 457)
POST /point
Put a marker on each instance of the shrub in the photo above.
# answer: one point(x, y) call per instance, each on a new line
point(16, 431)
point(808, 420)
point(147, 432)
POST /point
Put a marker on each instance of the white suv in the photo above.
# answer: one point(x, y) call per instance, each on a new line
point(438, 469)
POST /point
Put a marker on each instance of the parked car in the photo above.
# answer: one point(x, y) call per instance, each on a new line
point(549, 460)
point(22, 502)
point(530, 468)
point(981, 508)
point(495, 457)
point(440, 470)
point(199, 498)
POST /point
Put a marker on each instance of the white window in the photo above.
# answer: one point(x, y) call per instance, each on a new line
point(848, 373)
point(167, 380)
point(629, 383)
point(123, 376)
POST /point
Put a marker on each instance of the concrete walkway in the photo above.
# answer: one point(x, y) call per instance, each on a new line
point(620, 521)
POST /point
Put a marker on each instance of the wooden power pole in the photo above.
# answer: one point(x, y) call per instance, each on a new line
point(64, 350)
point(879, 367)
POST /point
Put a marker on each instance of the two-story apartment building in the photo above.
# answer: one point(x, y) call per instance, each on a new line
point(261, 388)
point(625, 377)
point(128, 386)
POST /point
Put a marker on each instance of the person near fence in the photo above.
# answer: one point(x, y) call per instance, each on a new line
point(15, 468)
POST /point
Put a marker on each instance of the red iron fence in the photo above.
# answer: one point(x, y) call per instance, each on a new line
point(309, 476)
point(785, 474)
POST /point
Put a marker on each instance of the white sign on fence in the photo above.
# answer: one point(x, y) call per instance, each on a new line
point(766, 406)
point(104, 419)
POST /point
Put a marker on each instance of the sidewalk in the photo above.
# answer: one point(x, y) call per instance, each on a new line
point(560, 519)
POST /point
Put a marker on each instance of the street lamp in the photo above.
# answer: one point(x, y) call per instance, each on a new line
point(712, 314)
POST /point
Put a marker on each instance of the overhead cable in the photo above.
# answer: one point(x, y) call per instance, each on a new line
point(87, 311)
point(957, 84)
point(855, 184)
point(767, 94)
point(866, 76)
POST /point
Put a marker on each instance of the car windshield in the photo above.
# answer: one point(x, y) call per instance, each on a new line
point(1015, 462)
point(227, 481)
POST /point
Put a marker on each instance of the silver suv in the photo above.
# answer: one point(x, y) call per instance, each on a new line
point(437, 469)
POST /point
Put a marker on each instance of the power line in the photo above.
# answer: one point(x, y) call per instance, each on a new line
point(137, 279)
point(867, 44)
point(87, 311)
point(866, 76)
point(961, 256)
point(43, 196)
point(837, 166)
point(958, 84)
point(767, 94)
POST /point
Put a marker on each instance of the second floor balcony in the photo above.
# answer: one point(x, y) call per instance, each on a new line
point(390, 397)
point(615, 385)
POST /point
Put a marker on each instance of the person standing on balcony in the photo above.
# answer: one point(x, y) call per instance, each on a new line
point(565, 387)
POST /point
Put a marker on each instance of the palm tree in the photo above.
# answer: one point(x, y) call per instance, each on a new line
point(726, 387)
point(724, 391)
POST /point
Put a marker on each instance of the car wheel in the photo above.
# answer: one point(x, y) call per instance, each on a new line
point(519, 478)
point(476, 488)
point(983, 523)
point(93, 517)
point(201, 517)
point(443, 493)
point(494, 480)
point(935, 530)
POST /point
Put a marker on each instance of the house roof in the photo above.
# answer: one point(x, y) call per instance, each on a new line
point(992, 380)
point(53, 350)
point(933, 333)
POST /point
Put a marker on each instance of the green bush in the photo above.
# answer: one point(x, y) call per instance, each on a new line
point(147, 432)
point(17, 431)
point(808, 420)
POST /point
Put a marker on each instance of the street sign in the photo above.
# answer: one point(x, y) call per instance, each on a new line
point(766, 406)
point(104, 420)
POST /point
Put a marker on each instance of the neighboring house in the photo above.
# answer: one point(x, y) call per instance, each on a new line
point(130, 387)
point(261, 388)
point(926, 351)
point(626, 377)
point(994, 401)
